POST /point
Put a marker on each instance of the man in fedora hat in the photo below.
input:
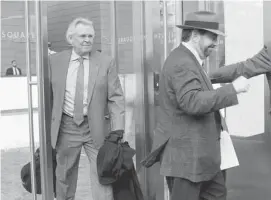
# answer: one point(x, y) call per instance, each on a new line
point(188, 120)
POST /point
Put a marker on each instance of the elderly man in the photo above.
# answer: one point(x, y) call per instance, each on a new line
point(84, 83)
point(188, 120)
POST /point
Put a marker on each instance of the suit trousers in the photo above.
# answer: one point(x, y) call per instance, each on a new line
point(70, 141)
point(183, 189)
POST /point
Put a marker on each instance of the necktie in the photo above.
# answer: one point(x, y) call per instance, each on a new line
point(78, 115)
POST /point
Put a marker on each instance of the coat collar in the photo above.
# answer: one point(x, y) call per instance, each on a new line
point(193, 51)
point(202, 72)
point(75, 56)
point(63, 66)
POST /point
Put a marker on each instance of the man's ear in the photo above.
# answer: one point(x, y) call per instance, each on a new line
point(195, 36)
point(70, 39)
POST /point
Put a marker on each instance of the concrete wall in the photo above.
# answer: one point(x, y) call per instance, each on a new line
point(14, 120)
point(244, 30)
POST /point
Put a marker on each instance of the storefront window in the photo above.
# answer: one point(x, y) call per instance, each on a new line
point(13, 39)
point(14, 121)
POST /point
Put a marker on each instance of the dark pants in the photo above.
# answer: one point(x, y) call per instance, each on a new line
point(183, 189)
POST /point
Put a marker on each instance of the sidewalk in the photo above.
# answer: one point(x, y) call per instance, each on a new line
point(11, 188)
point(252, 179)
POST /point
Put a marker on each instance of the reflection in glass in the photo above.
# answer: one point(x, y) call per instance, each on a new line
point(14, 104)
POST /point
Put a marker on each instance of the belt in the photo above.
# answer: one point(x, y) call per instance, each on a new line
point(68, 115)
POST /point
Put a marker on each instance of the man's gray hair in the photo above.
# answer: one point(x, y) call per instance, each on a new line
point(71, 29)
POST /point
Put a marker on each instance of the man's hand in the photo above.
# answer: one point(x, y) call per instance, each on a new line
point(241, 84)
point(117, 135)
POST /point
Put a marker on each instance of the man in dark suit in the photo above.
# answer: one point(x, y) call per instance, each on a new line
point(84, 83)
point(14, 70)
point(188, 119)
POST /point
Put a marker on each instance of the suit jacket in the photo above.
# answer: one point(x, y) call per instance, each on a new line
point(188, 118)
point(258, 64)
point(9, 72)
point(104, 91)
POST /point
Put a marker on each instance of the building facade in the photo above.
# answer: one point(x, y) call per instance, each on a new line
point(140, 35)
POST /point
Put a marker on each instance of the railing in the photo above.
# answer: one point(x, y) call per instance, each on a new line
point(43, 100)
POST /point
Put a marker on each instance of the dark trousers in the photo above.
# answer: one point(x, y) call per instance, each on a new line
point(183, 189)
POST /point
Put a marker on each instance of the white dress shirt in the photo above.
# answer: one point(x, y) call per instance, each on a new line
point(50, 52)
point(15, 71)
point(193, 51)
point(69, 97)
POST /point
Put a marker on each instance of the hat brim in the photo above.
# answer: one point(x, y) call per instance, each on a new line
point(193, 27)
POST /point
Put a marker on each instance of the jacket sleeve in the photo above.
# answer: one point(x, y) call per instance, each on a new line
point(115, 98)
point(258, 64)
point(8, 72)
point(193, 100)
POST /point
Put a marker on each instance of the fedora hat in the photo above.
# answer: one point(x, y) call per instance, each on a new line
point(202, 20)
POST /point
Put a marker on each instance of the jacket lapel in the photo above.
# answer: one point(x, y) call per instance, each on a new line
point(94, 66)
point(62, 70)
point(200, 68)
point(208, 84)
point(205, 77)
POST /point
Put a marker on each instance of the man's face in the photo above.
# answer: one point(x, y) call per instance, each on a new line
point(82, 39)
point(14, 64)
point(207, 44)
